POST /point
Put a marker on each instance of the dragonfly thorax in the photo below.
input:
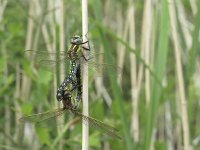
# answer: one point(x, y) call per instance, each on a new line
point(74, 52)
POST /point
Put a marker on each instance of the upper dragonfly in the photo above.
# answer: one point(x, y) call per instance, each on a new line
point(75, 57)
point(74, 54)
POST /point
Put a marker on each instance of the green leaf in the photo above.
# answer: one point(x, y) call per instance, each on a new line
point(27, 68)
point(27, 108)
point(94, 140)
point(10, 79)
point(44, 77)
point(2, 64)
point(43, 135)
point(96, 110)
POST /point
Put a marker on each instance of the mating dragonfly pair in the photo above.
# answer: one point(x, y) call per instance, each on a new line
point(66, 89)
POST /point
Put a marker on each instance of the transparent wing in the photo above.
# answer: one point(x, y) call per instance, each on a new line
point(38, 120)
point(45, 55)
point(40, 117)
point(51, 60)
point(43, 58)
point(101, 69)
point(92, 122)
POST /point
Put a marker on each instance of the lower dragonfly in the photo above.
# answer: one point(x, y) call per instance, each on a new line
point(68, 106)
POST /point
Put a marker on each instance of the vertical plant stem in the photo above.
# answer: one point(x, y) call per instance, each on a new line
point(7, 112)
point(178, 131)
point(17, 94)
point(29, 39)
point(61, 34)
point(133, 71)
point(26, 83)
point(62, 67)
point(2, 8)
point(85, 128)
point(180, 82)
point(169, 127)
point(146, 48)
point(146, 39)
point(158, 68)
point(53, 43)
point(193, 6)
point(181, 14)
point(122, 33)
point(5, 76)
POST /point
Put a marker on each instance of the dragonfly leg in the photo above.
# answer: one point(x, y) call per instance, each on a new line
point(84, 42)
point(85, 48)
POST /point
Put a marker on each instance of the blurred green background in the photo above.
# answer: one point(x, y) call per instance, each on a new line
point(152, 97)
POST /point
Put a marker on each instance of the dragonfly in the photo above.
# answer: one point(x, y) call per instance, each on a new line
point(68, 106)
point(73, 56)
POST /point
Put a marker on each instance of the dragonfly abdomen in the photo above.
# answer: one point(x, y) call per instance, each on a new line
point(79, 84)
point(67, 81)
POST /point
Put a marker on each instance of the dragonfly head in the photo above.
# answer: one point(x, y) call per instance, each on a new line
point(76, 39)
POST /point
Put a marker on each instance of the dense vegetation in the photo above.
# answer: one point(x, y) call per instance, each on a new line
point(152, 96)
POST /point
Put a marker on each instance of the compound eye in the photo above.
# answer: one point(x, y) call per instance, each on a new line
point(59, 97)
point(76, 39)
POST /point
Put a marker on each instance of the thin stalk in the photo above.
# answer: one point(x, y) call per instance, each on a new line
point(185, 25)
point(122, 33)
point(25, 81)
point(37, 11)
point(158, 70)
point(179, 71)
point(2, 9)
point(62, 67)
point(46, 38)
point(7, 112)
point(169, 127)
point(145, 47)
point(64, 129)
point(29, 39)
point(133, 71)
point(178, 130)
point(17, 94)
point(85, 128)
point(53, 45)
point(193, 6)
point(99, 85)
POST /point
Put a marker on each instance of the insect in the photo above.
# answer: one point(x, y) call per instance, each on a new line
point(75, 57)
point(68, 106)
point(74, 53)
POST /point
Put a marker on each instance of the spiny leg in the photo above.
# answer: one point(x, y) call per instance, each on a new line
point(85, 48)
